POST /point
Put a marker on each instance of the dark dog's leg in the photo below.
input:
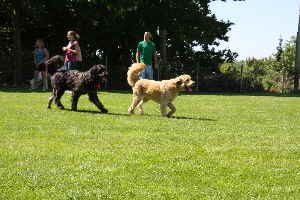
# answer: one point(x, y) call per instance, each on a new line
point(172, 111)
point(75, 98)
point(51, 98)
point(58, 95)
point(94, 98)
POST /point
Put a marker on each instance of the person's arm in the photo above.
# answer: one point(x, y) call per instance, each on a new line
point(77, 49)
point(46, 54)
point(64, 48)
point(137, 56)
point(138, 53)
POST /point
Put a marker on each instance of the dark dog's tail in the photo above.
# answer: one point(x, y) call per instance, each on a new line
point(133, 71)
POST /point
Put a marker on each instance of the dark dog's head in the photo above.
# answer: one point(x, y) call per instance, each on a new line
point(55, 63)
point(52, 64)
point(99, 72)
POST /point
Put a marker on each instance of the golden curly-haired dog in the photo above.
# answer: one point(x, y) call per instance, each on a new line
point(162, 92)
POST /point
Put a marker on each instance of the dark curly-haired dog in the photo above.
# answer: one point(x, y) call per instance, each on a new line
point(79, 83)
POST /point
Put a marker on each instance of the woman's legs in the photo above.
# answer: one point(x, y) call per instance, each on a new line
point(45, 80)
point(36, 78)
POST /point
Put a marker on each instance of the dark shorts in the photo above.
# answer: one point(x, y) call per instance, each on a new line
point(70, 65)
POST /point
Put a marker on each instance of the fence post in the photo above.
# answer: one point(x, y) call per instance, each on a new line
point(297, 59)
point(107, 68)
point(241, 82)
point(197, 78)
point(158, 65)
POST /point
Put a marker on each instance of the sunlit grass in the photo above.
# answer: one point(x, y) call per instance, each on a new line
point(218, 146)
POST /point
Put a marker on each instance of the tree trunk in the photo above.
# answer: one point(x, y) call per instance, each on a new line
point(297, 61)
point(241, 81)
point(17, 42)
point(164, 46)
point(283, 84)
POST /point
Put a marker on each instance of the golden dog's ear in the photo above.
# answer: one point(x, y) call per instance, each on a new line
point(178, 82)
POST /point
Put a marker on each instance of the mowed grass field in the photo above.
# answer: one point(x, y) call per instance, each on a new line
point(218, 146)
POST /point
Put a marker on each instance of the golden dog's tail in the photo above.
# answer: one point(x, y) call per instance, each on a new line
point(133, 71)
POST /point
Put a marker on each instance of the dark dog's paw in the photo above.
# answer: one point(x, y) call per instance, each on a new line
point(74, 110)
point(103, 110)
point(61, 107)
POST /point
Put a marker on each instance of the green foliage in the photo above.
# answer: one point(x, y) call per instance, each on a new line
point(274, 73)
point(220, 146)
point(227, 68)
point(289, 55)
point(117, 26)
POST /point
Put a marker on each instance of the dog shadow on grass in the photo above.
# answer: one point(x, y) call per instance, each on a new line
point(149, 115)
point(193, 118)
point(179, 117)
point(98, 112)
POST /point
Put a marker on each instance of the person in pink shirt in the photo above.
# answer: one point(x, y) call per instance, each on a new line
point(73, 56)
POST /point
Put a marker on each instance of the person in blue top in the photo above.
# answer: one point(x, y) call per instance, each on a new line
point(145, 53)
point(40, 55)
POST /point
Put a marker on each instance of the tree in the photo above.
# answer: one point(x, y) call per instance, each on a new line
point(11, 28)
point(117, 26)
point(274, 73)
point(285, 57)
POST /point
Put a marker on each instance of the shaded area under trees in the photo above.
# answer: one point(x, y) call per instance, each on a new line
point(115, 27)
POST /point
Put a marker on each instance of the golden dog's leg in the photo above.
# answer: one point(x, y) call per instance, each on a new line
point(172, 111)
point(140, 106)
point(163, 109)
point(135, 101)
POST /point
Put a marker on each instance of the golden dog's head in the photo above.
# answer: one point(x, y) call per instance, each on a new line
point(184, 82)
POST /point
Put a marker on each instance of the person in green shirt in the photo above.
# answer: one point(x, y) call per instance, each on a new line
point(145, 53)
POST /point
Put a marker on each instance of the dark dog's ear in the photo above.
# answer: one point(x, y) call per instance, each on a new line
point(92, 70)
point(61, 60)
point(102, 67)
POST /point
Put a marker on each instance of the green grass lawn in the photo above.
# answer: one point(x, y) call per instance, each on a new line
point(218, 146)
